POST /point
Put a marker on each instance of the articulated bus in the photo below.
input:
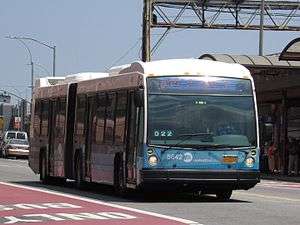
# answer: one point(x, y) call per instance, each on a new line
point(181, 124)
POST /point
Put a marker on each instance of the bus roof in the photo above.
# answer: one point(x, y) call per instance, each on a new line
point(185, 67)
point(115, 78)
point(58, 86)
point(75, 78)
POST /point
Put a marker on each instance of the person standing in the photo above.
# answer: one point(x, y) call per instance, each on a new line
point(271, 157)
point(293, 157)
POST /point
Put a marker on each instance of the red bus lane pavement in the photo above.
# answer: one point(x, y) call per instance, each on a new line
point(26, 205)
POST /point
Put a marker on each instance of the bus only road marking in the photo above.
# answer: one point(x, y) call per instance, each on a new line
point(42, 217)
point(22, 205)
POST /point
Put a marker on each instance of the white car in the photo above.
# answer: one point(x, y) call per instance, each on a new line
point(16, 147)
point(12, 134)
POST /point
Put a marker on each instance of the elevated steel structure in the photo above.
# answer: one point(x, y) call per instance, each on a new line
point(217, 14)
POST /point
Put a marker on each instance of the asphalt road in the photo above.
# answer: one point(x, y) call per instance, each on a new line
point(269, 202)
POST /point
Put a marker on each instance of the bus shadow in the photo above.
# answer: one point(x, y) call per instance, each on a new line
point(107, 194)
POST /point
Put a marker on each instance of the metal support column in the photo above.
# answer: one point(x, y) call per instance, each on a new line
point(146, 45)
point(284, 134)
point(261, 28)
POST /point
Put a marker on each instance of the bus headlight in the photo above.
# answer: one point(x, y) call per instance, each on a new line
point(250, 162)
point(153, 160)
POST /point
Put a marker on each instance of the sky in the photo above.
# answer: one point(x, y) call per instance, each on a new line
point(93, 35)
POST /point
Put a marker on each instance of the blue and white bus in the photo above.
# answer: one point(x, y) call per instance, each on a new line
point(183, 124)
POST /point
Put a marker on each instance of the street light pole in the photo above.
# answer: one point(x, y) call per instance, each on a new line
point(54, 59)
point(46, 45)
point(31, 62)
point(53, 48)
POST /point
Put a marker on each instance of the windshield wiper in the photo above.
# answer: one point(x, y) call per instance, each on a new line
point(204, 147)
point(195, 134)
point(234, 148)
point(187, 137)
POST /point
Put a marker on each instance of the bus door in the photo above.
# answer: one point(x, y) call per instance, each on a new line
point(131, 140)
point(90, 109)
point(51, 132)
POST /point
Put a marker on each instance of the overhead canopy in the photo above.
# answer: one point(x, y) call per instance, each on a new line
point(271, 76)
point(291, 51)
point(253, 60)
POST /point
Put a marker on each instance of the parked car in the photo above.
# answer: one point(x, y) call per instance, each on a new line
point(16, 147)
point(12, 134)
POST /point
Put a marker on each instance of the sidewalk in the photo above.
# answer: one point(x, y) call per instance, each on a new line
point(280, 177)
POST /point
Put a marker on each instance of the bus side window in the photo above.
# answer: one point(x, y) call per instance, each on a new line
point(100, 113)
point(120, 117)
point(56, 117)
point(140, 131)
point(44, 123)
point(80, 116)
point(110, 118)
point(37, 118)
point(60, 117)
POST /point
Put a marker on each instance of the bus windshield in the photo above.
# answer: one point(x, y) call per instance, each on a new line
point(201, 111)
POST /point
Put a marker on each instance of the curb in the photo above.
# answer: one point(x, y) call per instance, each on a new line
point(279, 177)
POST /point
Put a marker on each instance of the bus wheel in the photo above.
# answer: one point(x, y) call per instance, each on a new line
point(43, 170)
point(79, 182)
point(224, 195)
point(119, 178)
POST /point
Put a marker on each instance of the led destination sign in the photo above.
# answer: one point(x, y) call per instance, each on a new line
point(199, 85)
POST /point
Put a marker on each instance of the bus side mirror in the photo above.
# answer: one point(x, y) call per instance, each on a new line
point(139, 97)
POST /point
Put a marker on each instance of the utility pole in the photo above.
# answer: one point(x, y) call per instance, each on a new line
point(261, 28)
point(32, 77)
point(54, 58)
point(147, 19)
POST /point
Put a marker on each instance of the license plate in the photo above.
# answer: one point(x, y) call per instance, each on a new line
point(230, 159)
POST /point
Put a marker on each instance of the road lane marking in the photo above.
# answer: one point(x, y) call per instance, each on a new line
point(13, 166)
point(42, 217)
point(268, 197)
point(14, 160)
point(280, 185)
point(181, 220)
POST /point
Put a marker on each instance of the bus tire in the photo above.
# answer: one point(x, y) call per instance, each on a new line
point(119, 183)
point(44, 177)
point(224, 195)
point(79, 181)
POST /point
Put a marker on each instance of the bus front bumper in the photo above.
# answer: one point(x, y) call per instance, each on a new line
point(199, 179)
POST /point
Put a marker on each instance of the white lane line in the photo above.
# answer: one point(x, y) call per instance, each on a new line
point(267, 197)
point(14, 160)
point(13, 166)
point(181, 220)
point(280, 185)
